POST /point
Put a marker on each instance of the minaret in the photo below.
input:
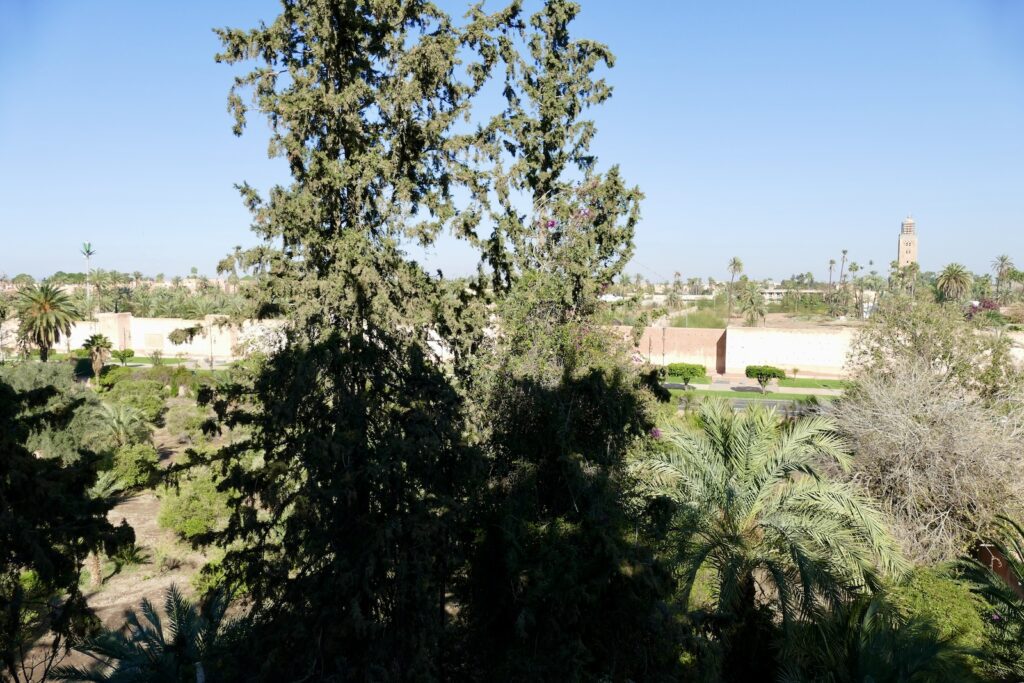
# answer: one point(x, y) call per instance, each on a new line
point(908, 243)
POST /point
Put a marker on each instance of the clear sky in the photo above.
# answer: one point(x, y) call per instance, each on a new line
point(780, 132)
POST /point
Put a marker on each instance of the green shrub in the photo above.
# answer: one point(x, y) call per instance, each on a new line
point(764, 374)
point(111, 375)
point(686, 371)
point(701, 318)
point(947, 605)
point(124, 355)
point(146, 396)
point(195, 508)
point(135, 466)
point(186, 420)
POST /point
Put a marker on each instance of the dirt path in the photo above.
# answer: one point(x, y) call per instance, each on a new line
point(167, 561)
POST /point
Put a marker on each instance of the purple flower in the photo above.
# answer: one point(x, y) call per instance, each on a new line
point(552, 223)
point(996, 617)
point(655, 432)
point(585, 212)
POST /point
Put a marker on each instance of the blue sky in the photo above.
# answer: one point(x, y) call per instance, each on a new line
point(780, 132)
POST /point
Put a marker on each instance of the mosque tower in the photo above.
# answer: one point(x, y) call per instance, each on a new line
point(908, 243)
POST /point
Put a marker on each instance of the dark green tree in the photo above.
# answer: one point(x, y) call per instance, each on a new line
point(560, 588)
point(348, 538)
point(48, 524)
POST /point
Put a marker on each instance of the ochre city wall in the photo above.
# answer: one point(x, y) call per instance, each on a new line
point(662, 345)
point(815, 352)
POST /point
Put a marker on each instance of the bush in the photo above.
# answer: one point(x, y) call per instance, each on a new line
point(941, 459)
point(135, 466)
point(946, 605)
point(111, 375)
point(195, 508)
point(764, 374)
point(686, 371)
point(124, 355)
point(186, 420)
point(146, 396)
point(701, 318)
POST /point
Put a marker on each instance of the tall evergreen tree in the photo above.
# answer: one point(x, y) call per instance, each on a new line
point(559, 587)
point(349, 534)
point(48, 523)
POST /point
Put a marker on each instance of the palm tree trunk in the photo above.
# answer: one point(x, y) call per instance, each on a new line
point(95, 569)
point(44, 353)
point(728, 315)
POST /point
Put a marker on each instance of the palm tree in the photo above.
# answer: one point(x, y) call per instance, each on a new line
point(88, 252)
point(751, 303)
point(99, 348)
point(954, 282)
point(148, 649)
point(116, 425)
point(735, 267)
point(45, 313)
point(1002, 265)
point(858, 290)
point(108, 485)
point(868, 639)
point(1003, 590)
point(757, 513)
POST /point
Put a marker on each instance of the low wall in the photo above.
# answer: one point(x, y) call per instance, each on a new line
point(663, 345)
point(146, 335)
point(815, 352)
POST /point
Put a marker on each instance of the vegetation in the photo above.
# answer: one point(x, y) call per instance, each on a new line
point(997, 571)
point(754, 510)
point(686, 372)
point(421, 477)
point(123, 355)
point(48, 523)
point(45, 314)
point(152, 649)
point(135, 465)
point(809, 383)
point(195, 508)
point(735, 267)
point(764, 374)
point(751, 303)
point(98, 346)
point(699, 318)
point(954, 282)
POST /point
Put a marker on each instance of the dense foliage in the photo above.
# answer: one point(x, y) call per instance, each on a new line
point(48, 523)
point(427, 478)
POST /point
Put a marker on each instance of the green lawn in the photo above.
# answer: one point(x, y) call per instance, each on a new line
point(748, 395)
point(675, 379)
point(810, 383)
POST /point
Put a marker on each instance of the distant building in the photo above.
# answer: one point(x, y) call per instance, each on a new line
point(908, 243)
point(776, 294)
